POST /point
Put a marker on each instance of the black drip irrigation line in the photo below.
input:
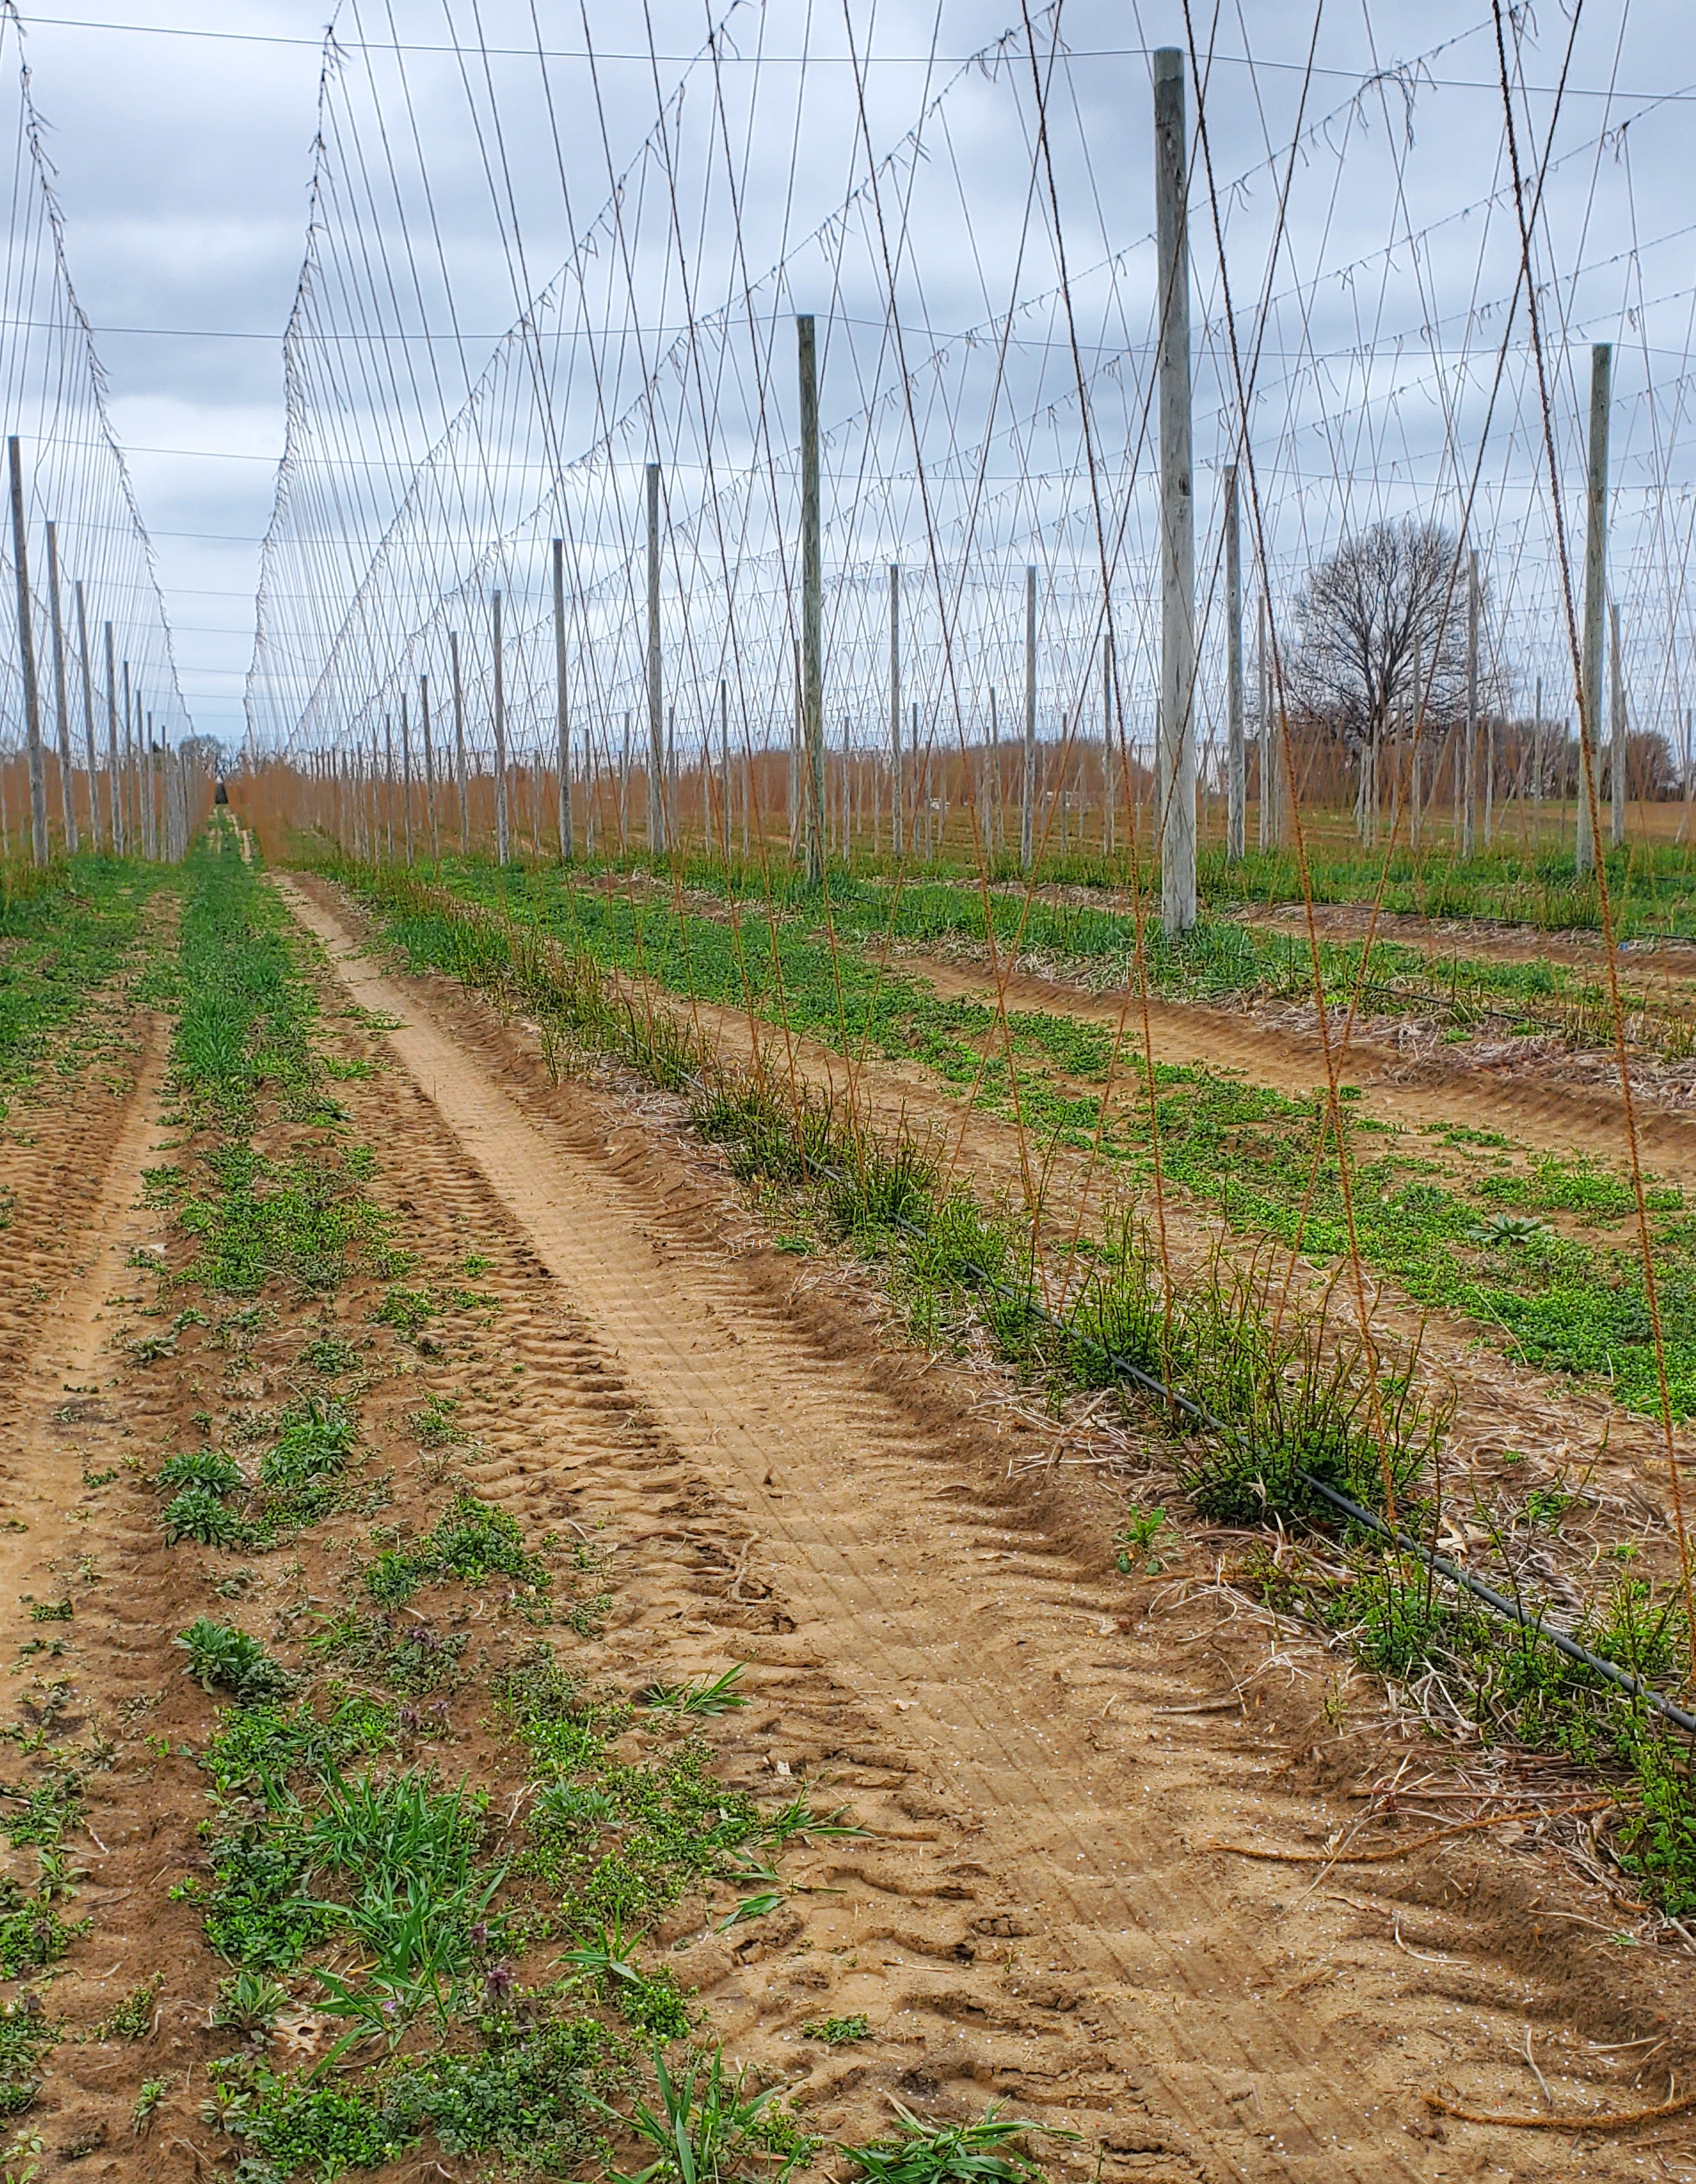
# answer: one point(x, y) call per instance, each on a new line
point(1499, 1604)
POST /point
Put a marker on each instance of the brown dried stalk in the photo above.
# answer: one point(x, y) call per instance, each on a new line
point(1399, 1850)
point(1621, 2119)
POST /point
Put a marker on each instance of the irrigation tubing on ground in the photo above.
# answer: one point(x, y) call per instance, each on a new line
point(1499, 1604)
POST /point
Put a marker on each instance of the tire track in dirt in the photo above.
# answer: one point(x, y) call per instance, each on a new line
point(56, 1144)
point(883, 1551)
point(907, 1928)
point(80, 1425)
point(62, 1423)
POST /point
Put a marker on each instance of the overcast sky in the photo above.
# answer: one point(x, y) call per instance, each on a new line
point(183, 144)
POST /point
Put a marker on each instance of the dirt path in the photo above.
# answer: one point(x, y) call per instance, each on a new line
point(1647, 966)
point(77, 1432)
point(1233, 2021)
point(1507, 1410)
point(57, 1135)
point(1578, 1121)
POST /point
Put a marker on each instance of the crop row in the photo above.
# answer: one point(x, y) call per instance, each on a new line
point(1301, 1398)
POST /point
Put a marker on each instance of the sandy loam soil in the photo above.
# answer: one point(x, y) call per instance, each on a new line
point(1538, 1098)
point(1047, 1753)
point(1506, 1410)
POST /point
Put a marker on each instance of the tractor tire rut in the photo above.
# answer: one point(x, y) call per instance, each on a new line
point(960, 1634)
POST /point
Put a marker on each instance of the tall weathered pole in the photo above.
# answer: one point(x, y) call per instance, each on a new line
point(1469, 785)
point(1268, 749)
point(502, 829)
point(61, 692)
point(725, 761)
point(1616, 732)
point(1537, 763)
point(795, 751)
point(406, 777)
point(149, 782)
point(114, 762)
point(88, 718)
point(1028, 822)
point(1596, 594)
point(458, 742)
point(26, 655)
point(388, 787)
point(1236, 754)
point(1415, 715)
point(896, 801)
point(997, 832)
point(811, 598)
point(562, 716)
point(429, 767)
point(656, 708)
point(1176, 825)
point(1110, 771)
point(131, 794)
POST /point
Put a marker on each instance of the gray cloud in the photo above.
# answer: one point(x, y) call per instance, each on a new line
point(183, 164)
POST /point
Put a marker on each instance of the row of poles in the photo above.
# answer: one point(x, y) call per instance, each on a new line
point(149, 799)
point(1176, 780)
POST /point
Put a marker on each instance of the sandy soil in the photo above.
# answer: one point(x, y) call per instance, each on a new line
point(1048, 1754)
point(1486, 1084)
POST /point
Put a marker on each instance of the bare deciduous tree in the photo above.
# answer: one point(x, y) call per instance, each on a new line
point(1390, 598)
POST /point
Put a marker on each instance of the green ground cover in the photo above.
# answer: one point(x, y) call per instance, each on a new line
point(1222, 959)
point(64, 932)
point(1542, 1252)
point(1294, 1400)
point(495, 1987)
point(1651, 886)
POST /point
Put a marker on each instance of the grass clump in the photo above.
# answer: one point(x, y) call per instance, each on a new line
point(223, 1658)
point(704, 2126)
point(838, 2031)
point(1461, 1664)
point(922, 2151)
point(473, 1542)
point(25, 2038)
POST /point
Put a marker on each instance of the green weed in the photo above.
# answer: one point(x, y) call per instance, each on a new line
point(26, 2036)
point(1138, 1541)
point(222, 1658)
point(132, 2018)
point(707, 2128)
point(838, 2031)
point(715, 1695)
point(249, 2004)
point(208, 1469)
point(920, 2151)
point(472, 1542)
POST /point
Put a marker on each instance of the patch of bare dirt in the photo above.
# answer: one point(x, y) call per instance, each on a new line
point(1048, 1754)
